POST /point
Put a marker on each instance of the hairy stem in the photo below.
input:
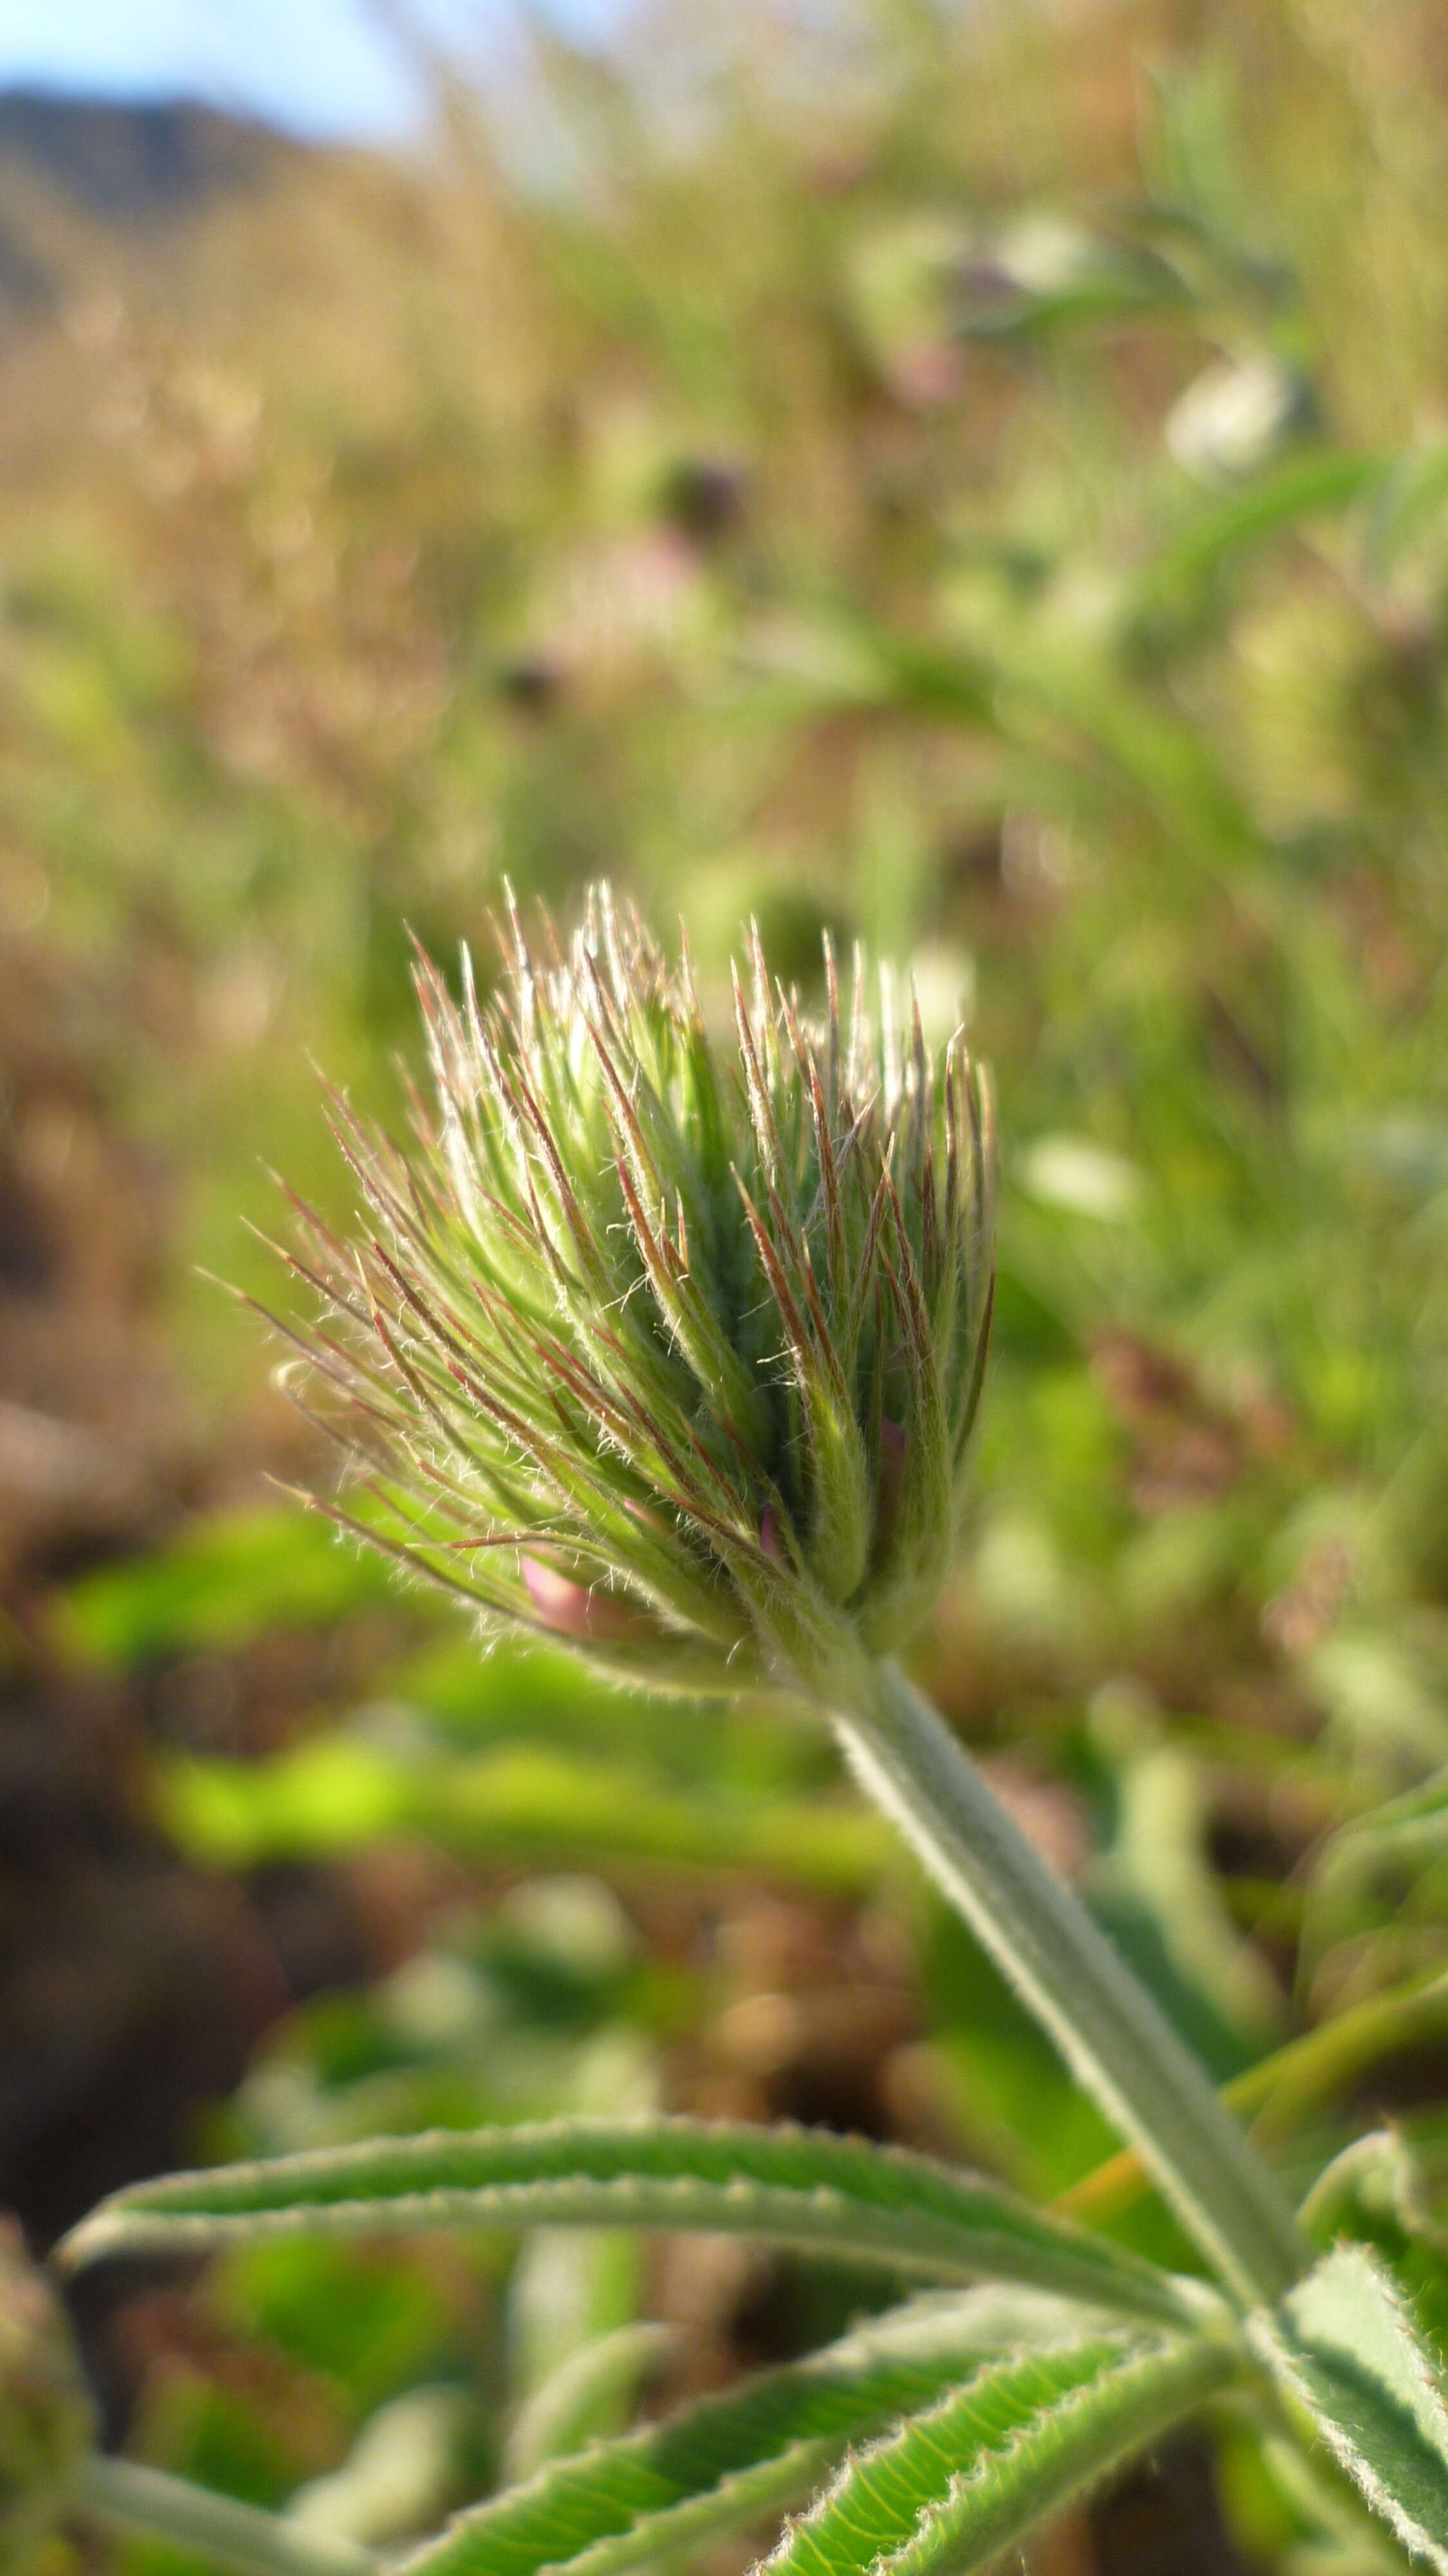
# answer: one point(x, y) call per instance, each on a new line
point(235, 2535)
point(1284, 2088)
point(1109, 2031)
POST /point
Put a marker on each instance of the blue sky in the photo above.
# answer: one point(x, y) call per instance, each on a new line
point(321, 66)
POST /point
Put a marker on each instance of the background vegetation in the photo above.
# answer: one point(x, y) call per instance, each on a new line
point(977, 481)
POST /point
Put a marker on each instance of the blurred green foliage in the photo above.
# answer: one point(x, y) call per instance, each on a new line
point(981, 487)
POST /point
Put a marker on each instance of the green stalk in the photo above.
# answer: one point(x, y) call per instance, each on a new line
point(1295, 2078)
point(236, 2535)
point(1117, 2044)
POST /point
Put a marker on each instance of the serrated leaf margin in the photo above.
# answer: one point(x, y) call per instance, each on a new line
point(1112, 2396)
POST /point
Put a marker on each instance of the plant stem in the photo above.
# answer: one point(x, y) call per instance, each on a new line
point(1109, 2031)
point(237, 2535)
point(1284, 2087)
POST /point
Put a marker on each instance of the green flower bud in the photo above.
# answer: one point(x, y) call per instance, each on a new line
point(668, 1350)
point(46, 2418)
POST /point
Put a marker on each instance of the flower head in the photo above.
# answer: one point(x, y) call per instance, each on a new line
point(668, 1349)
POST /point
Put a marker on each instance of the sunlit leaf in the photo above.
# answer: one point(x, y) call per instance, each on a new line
point(1349, 2358)
point(959, 2485)
point(733, 2458)
point(526, 1801)
point(794, 2186)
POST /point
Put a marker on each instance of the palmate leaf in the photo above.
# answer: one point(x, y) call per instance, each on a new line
point(793, 2186)
point(958, 2485)
point(1346, 2353)
point(732, 2459)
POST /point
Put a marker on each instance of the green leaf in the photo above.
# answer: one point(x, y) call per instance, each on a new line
point(523, 1800)
point(963, 2482)
point(1409, 497)
point(1303, 487)
point(1377, 2182)
point(794, 2186)
point(523, 1692)
point(1392, 1846)
point(591, 2391)
point(1157, 1882)
point(733, 2458)
point(230, 1578)
point(215, 2528)
point(1346, 2352)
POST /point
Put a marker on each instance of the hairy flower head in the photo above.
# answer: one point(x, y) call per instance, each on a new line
point(670, 1349)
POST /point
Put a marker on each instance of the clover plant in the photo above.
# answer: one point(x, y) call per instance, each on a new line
point(672, 1351)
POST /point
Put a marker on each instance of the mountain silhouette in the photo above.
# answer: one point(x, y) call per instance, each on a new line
point(130, 161)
